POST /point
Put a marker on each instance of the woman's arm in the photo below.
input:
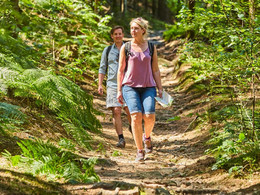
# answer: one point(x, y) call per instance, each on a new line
point(120, 74)
point(156, 72)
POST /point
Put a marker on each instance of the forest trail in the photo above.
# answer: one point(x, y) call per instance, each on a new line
point(178, 164)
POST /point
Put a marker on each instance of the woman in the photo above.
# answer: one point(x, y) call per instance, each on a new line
point(137, 82)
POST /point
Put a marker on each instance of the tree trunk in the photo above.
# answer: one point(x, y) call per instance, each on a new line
point(121, 6)
point(95, 7)
point(146, 7)
point(191, 6)
point(251, 13)
point(16, 6)
point(178, 7)
point(163, 12)
point(125, 7)
point(115, 6)
point(154, 8)
point(136, 6)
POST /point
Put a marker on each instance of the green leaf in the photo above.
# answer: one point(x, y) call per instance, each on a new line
point(241, 137)
point(175, 118)
point(15, 160)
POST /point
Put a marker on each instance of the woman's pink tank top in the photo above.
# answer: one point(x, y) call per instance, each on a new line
point(139, 70)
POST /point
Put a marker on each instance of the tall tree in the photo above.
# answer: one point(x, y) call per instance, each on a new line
point(16, 6)
point(124, 7)
point(163, 12)
point(135, 5)
point(146, 7)
point(154, 7)
point(114, 6)
point(191, 6)
point(251, 12)
point(178, 7)
point(121, 5)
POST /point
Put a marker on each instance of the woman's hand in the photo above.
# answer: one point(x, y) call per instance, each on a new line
point(160, 92)
point(120, 97)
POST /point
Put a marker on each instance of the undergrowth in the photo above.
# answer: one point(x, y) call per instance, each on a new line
point(19, 77)
point(224, 54)
point(227, 79)
point(44, 159)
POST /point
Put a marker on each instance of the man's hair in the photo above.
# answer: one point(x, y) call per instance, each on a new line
point(115, 28)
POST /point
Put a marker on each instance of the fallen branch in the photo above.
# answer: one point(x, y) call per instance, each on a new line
point(191, 123)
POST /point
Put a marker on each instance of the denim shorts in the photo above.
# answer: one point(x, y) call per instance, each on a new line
point(140, 99)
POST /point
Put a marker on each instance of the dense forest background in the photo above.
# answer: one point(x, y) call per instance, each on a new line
point(49, 47)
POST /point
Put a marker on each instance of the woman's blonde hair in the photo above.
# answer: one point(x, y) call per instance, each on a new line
point(144, 24)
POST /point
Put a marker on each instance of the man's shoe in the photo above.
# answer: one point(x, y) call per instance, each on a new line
point(140, 156)
point(121, 143)
point(148, 147)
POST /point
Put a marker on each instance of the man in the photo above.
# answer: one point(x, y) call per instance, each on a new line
point(109, 66)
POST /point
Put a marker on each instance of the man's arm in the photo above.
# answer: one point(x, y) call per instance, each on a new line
point(100, 81)
point(102, 71)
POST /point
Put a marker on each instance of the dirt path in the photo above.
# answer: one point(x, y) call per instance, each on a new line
point(178, 164)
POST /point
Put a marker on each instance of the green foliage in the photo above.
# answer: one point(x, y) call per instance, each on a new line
point(68, 34)
point(41, 158)
point(16, 55)
point(117, 153)
point(39, 42)
point(71, 104)
point(224, 54)
point(10, 112)
point(14, 160)
point(175, 118)
point(174, 32)
point(212, 19)
point(67, 144)
point(233, 144)
point(11, 19)
point(101, 148)
point(10, 115)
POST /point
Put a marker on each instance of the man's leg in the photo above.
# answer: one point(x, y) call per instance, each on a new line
point(117, 121)
point(128, 118)
point(127, 114)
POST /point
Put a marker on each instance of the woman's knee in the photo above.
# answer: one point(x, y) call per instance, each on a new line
point(136, 117)
point(149, 117)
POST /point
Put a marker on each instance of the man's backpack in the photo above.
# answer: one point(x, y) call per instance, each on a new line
point(107, 53)
point(128, 49)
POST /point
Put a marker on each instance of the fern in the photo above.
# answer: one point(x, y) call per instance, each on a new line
point(14, 54)
point(42, 158)
point(10, 116)
point(11, 113)
point(71, 104)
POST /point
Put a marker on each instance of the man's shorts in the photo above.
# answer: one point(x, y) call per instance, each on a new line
point(112, 98)
point(140, 99)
